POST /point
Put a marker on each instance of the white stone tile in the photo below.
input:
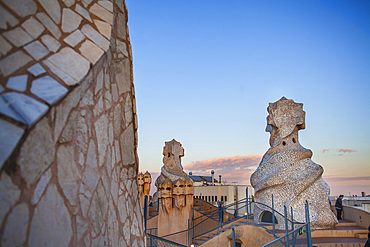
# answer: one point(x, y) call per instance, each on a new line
point(22, 8)
point(52, 7)
point(69, 80)
point(33, 160)
point(121, 47)
point(33, 27)
point(104, 28)
point(102, 13)
point(69, 3)
point(49, 24)
point(18, 83)
point(10, 134)
point(51, 43)
point(106, 4)
point(41, 186)
point(48, 89)
point(13, 62)
point(36, 70)
point(21, 107)
point(86, 3)
point(51, 222)
point(121, 22)
point(5, 47)
point(68, 174)
point(18, 36)
point(95, 36)
point(69, 62)
point(36, 50)
point(83, 12)
point(6, 17)
point(74, 38)
point(9, 193)
point(91, 51)
point(15, 230)
point(99, 82)
point(70, 21)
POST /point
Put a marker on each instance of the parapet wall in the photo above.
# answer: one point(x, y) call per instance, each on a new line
point(68, 125)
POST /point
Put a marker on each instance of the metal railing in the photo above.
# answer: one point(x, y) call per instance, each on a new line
point(154, 241)
point(295, 232)
point(300, 235)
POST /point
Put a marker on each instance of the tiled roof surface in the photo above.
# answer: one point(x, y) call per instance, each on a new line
point(203, 179)
point(46, 48)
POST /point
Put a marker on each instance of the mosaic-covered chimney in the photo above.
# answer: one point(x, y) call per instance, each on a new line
point(287, 171)
point(175, 194)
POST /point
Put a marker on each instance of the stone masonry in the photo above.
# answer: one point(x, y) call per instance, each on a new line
point(287, 172)
point(68, 125)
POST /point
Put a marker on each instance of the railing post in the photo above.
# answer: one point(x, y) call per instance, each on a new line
point(308, 227)
point(247, 202)
point(188, 232)
point(293, 236)
point(192, 236)
point(236, 204)
point(145, 211)
point(234, 244)
point(219, 216)
point(273, 214)
point(286, 226)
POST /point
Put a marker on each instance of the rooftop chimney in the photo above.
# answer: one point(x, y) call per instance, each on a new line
point(213, 177)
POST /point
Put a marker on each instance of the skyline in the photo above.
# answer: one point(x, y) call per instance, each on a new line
point(204, 73)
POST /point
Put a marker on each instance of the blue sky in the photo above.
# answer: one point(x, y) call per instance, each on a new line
point(205, 71)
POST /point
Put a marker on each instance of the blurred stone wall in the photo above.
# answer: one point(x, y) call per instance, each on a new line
point(68, 125)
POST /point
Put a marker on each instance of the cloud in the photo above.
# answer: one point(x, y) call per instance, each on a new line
point(348, 185)
point(233, 169)
point(346, 179)
point(347, 150)
point(325, 151)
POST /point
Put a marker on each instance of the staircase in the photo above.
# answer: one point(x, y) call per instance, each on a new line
point(210, 211)
point(345, 234)
point(206, 236)
point(152, 212)
point(206, 208)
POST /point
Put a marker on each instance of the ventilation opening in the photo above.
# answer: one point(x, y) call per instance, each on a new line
point(267, 217)
point(284, 143)
point(294, 140)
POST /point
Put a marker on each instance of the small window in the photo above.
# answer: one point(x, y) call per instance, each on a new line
point(216, 198)
point(225, 198)
point(237, 243)
point(222, 198)
point(213, 198)
point(267, 217)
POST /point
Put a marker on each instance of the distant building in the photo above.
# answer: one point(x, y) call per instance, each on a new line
point(203, 180)
point(214, 191)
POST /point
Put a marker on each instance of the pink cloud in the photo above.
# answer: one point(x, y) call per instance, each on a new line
point(325, 150)
point(346, 179)
point(347, 150)
point(348, 185)
point(233, 169)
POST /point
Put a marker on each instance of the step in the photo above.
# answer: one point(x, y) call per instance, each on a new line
point(338, 242)
point(361, 235)
point(346, 223)
point(341, 231)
